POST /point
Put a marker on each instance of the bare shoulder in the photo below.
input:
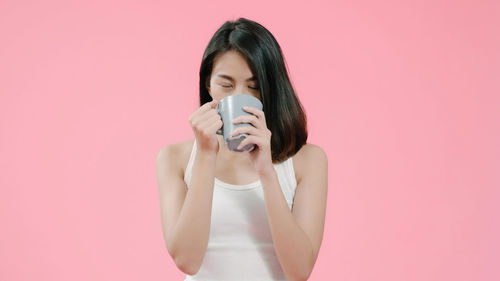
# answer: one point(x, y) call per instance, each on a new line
point(309, 155)
point(176, 153)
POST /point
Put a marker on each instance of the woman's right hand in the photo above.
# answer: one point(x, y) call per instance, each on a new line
point(205, 122)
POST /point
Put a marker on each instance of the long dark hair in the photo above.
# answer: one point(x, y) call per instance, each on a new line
point(285, 116)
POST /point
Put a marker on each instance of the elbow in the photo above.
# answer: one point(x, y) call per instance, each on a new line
point(306, 271)
point(186, 265)
point(306, 276)
point(188, 268)
point(303, 273)
point(303, 277)
point(185, 262)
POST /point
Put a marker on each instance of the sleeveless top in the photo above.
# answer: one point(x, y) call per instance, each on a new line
point(240, 245)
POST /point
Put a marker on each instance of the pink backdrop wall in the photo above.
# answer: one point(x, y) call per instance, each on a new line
point(403, 97)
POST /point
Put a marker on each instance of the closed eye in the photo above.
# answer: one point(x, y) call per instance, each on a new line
point(229, 86)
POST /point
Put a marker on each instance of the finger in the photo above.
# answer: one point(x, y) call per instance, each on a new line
point(257, 112)
point(201, 121)
point(246, 130)
point(248, 119)
point(202, 109)
point(216, 125)
point(214, 103)
point(203, 115)
point(208, 119)
point(209, 105)
point(250, 139)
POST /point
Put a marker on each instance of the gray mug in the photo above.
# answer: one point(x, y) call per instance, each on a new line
point(231, 107)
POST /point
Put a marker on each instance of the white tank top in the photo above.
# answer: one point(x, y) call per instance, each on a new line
point(240, 245)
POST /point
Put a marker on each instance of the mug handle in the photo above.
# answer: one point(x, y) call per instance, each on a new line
point(219, 131)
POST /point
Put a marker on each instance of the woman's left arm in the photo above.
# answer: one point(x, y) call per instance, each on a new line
point(297, 235)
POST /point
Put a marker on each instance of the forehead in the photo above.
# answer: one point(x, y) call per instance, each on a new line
point(233, 64)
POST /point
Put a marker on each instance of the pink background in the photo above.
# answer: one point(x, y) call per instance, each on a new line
point(403, 97)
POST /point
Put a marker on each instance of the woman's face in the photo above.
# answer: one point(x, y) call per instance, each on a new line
point(231, 75)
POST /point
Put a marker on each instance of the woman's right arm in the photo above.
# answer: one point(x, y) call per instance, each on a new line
point(186, 213)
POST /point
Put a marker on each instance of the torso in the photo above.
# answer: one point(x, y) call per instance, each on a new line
point(243, 175)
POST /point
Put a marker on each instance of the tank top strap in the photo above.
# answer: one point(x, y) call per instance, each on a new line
point(286, 175)
point(291, 171)
point(188, 171)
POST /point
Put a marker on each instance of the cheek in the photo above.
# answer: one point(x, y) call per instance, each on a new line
point(217, 92)
point(217, 95)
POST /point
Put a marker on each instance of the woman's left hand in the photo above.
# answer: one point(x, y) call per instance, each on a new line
point(259, 135)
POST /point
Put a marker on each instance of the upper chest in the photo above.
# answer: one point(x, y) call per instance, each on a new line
point(242, 175)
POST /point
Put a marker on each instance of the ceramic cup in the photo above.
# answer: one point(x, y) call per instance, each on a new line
point(231, 107)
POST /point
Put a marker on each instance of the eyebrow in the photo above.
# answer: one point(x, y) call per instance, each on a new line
point(253, 78)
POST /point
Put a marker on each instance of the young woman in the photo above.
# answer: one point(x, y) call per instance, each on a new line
point(252, 215)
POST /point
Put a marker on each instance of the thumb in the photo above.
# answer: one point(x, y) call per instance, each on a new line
point(214, 103)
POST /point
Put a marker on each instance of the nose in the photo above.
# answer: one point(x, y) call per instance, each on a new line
point(242, 89)
point(235, 93)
